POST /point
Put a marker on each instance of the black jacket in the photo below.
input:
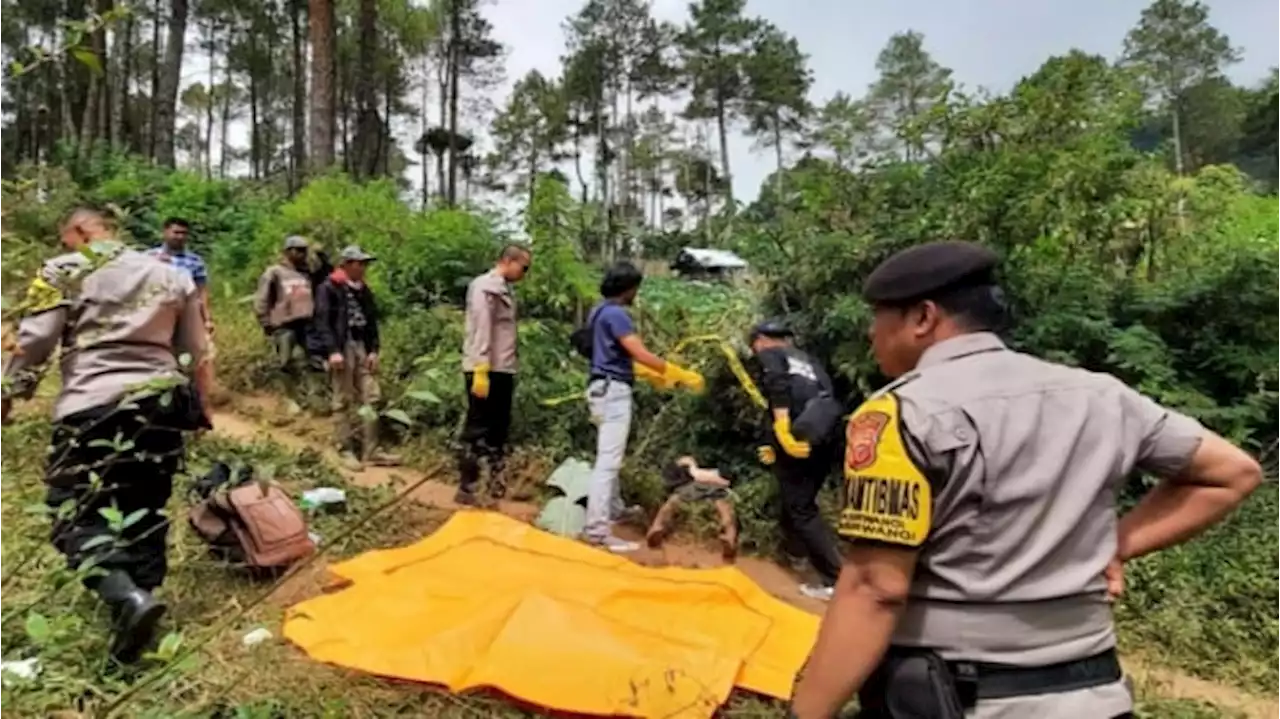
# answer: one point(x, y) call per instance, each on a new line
point(331, 316)
point(792, 379)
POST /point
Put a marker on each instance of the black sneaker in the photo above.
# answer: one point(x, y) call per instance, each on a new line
point(466, 499)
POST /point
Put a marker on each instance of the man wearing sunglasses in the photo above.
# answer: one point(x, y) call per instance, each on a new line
point(489, 359)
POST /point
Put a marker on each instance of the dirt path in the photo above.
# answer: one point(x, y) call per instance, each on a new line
point(779, 582)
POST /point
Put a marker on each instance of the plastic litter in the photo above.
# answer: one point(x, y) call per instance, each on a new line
point(566, 515)
point(19, 669)
point(323, 497)
point(256, 637)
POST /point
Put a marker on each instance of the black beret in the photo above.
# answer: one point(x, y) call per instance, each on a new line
point(771, 328)
point(916, 272)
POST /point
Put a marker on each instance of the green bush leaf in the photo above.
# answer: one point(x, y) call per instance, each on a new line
point(423, 395)
point(169, 646)
point(38, 628)
point(113, 516)
point(399, 416)
point(88, 58)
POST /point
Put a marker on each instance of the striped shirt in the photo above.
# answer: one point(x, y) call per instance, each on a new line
point(185, 260)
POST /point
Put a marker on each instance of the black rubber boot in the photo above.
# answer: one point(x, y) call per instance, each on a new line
point(135, 615)
point(497, 478)
point(469, 477)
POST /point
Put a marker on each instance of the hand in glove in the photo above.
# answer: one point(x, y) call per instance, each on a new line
point(480, 381)
point(657, 380)
point(676, 375)
point(790, 445)
point(766, 454)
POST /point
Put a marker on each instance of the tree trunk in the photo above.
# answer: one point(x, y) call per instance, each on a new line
point(1177, 139)
point(120, 80)
point(224, 155)
point(344, 99)
point(64, 101)
point(777, 148)
point(577, 158)
point(269, 137)
point(153, 120)
point(208, 102)
point(442, 182)
point(169, 81)
point(296, 9)
point(88, 120)
point(95, 91)
point(323, 78)
point(254, 150)
point(722, 126)
point(455, 54)
point(426, 125)
point(533, 175)
point(103, 51)
point(384, 127)
point(602, 172)
point(367, 130)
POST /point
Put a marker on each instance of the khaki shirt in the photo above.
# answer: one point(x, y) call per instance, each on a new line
point(490, 325)
point(120, 320)
point(284, 295)
point(1004, 470)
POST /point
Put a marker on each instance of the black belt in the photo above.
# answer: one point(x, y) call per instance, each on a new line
point(983, 680)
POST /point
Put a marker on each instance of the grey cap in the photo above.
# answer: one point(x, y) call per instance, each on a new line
point(353, 253)
point(295, 242)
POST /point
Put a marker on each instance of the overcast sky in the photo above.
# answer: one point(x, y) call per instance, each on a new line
point(989, 43)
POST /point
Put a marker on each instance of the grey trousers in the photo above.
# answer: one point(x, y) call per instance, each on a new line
point(610, 405)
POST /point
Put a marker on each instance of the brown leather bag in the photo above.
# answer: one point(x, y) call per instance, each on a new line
point(254, 523)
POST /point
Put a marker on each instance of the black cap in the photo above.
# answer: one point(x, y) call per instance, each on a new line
point(917, 272)
point(776, 329)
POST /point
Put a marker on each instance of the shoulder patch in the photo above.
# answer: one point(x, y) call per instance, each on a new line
point(863, 436)
point(42, 296)
point(887, 498)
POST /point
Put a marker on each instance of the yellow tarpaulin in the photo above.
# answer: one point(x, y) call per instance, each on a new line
point(487, 601)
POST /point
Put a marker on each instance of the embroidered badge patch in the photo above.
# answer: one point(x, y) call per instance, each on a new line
point(862, 437)
point(887, 496)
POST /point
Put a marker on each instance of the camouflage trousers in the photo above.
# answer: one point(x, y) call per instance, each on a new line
point(355, 387)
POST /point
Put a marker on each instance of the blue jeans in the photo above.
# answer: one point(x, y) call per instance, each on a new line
point(610, 405)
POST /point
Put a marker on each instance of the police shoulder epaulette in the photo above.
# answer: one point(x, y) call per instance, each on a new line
point(896, 384)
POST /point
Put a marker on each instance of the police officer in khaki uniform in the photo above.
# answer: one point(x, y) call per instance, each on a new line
point(123, 325)
point(981, 507)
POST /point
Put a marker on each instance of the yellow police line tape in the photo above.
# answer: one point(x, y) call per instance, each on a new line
point(731, 355)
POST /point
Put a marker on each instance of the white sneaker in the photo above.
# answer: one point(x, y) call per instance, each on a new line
point(820, 592)
point(615, 544)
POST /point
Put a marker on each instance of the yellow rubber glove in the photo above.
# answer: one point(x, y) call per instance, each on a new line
point(480, 381)
point(675, 374)
point(766, 454)
point(657, 380)
point(790, 445)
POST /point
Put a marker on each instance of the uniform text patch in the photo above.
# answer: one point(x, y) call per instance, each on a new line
point(887, 497)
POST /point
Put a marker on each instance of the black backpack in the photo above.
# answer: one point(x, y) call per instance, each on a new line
point(582, 339)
